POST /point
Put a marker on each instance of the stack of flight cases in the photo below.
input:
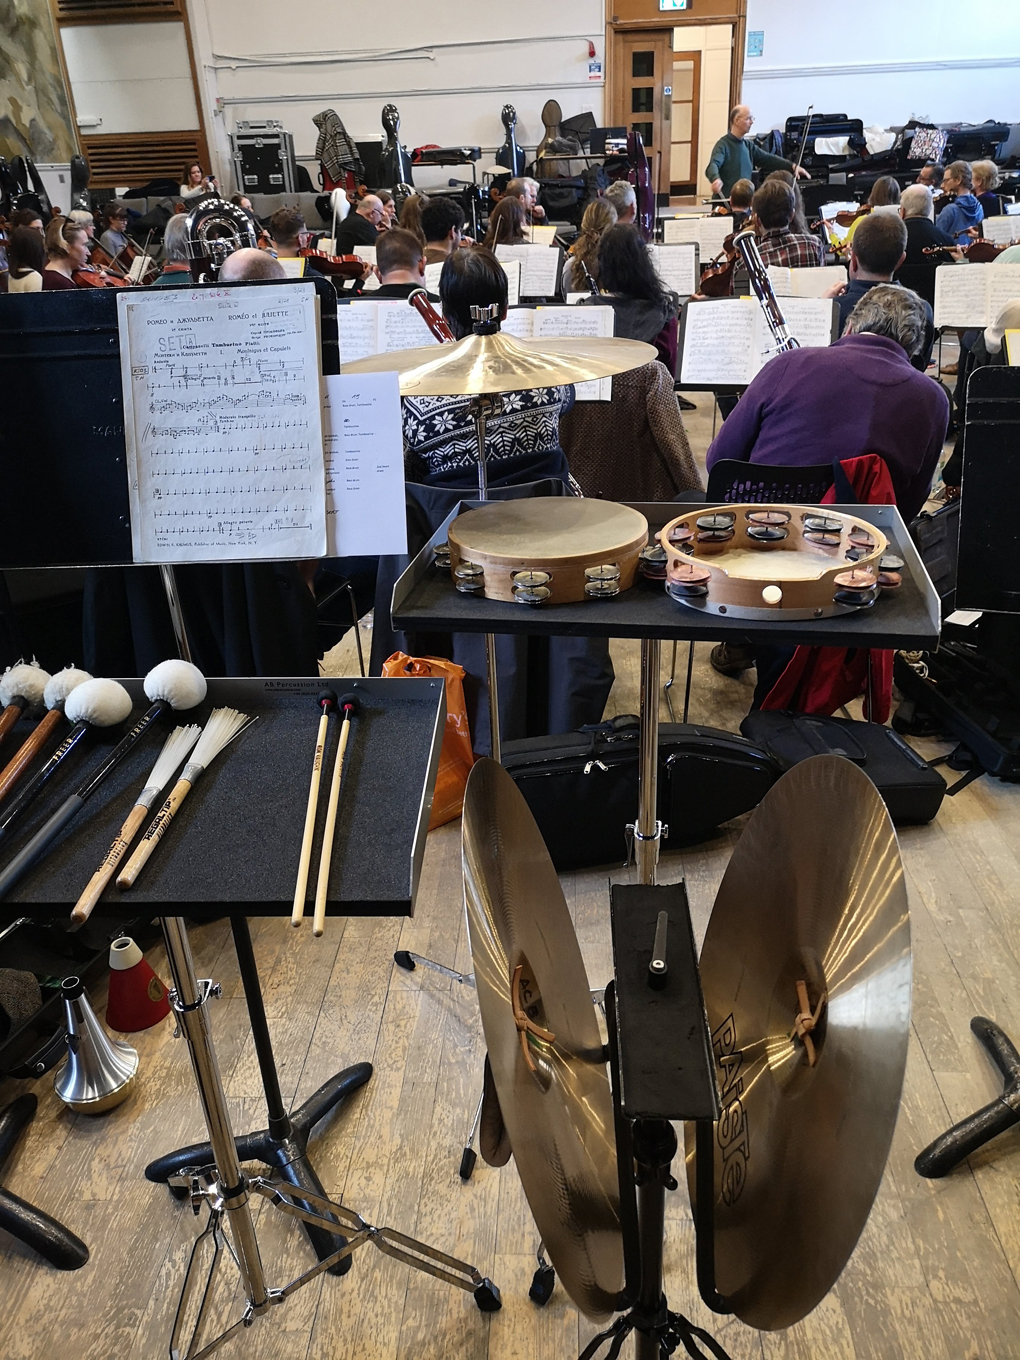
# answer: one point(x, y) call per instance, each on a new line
point(582, 787)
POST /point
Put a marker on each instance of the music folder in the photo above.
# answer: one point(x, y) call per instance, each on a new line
point(725, 342)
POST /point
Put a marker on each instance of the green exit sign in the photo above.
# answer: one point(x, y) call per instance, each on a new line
point(674, 4)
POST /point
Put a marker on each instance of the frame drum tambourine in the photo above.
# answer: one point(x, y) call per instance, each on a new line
point(767, 561)
point(547, 550)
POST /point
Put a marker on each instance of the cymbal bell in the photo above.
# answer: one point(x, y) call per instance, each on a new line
point(481, 365)
point(551, 1078)
point(806, 971)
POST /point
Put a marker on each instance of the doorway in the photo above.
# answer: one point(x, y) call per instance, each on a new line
point(643, 93)
point(684, 120)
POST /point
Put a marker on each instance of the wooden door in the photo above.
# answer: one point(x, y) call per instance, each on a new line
point(642, 75)
point(683, 124)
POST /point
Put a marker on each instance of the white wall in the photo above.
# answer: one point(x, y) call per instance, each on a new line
point(135, 77)
point(885, 61)
point(448, 66)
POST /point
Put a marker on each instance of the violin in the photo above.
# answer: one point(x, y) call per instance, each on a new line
point(943, 201)
point(92, 277)
point(978, 252)
point(641, 177)
point(717, 277)
point(844, 218)
point(337, 266)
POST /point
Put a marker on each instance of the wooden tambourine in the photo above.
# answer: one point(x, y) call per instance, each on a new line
point(550, 550)
point(768, 561)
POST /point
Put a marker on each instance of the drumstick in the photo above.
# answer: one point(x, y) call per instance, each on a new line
point(21, 687)
point(348, 706)
point(175, 748)
point(55, 695)
point(170, 685)
point(327, 703)
point(223, 726)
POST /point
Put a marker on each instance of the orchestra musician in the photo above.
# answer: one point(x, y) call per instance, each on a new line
point(527, 191)
point(115, 238)
point(361, 226)
point(26, 258)
point(623, 198)
point(734, 157)
point(884, 197)
point(389, 204)
point(508, 225)
point(645, 309)
point(879, 249)
point(250, 263)
point(400, 264)
point(410, 216)
point(581, 266)
point(773, 207)
point(83, 219)
point(930, 175)
point(986, 180)
point(27, 217)
point(67, 249)
point(176, 265)
point(741, 197)
point(799, 222)
point(918, 269)
point(962, 217)
point(442, 224)
point(196, 182)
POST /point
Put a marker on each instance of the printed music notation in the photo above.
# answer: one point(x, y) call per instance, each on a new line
point(223, 424)
point(726, 341)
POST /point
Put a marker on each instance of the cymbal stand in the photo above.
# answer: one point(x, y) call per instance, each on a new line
point(226, 1190)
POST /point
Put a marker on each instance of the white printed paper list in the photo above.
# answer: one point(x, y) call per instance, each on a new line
point(223, 424)
point(364, 465)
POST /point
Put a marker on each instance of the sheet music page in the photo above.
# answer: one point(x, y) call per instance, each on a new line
point(712, 232)
point(1003, 286)
point(719, 339)
point(680, 230)
point(961, 294)
point(222, 423)
point(810, 321)
point(1011, 339)
point(370, 284)
point(814, 281)
point(541, 235)
point(540, 268)
point(520, 323)
point(364, 454)
point(293, 267)
point(781, 279)
point(599, 322)
point(401, 327)
point(677, 267)
point(1001, 230)
point(358, 324)
point(512, 270)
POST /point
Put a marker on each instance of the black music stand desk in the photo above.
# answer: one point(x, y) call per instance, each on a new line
point(233, 850)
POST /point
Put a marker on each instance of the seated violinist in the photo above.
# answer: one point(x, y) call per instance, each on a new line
point(389, 207)
point(741, 197)
point(773, 207)
point(442, 222)
point(288, 232)
point(67, 250)
point(508, 225)
point(361, 226)
point(962, 217)
point(879, 249)
point(918, 269)
point(930, 175)
point(115, 239)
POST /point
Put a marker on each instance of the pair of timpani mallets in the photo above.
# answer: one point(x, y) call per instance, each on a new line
point(328, 703)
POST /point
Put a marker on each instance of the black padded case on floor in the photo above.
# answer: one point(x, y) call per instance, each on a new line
point(582, 787)
point(911, 789)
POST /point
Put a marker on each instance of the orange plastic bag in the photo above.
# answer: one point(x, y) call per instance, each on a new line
point(456, 756)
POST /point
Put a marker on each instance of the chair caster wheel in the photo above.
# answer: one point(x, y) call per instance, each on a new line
point(487, 1296)
point(402, 958)
point(542, 1285)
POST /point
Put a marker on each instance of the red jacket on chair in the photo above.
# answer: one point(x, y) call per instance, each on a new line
point(821, 679)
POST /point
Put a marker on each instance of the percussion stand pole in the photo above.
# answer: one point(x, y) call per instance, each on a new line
point(481, 407)
point(648, 830)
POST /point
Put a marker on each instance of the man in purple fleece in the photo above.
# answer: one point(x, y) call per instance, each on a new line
point(860, 395)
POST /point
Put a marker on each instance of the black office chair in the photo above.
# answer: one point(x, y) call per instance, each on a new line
point(731, 481)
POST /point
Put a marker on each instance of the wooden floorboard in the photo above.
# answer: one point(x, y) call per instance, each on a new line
point(934, 1276)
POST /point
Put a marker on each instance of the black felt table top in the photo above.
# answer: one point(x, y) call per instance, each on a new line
point(234, 844)
point(424, 600)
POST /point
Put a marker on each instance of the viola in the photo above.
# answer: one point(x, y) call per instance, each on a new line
point(641, 177)
point(717, 276)
point(978, 252)
point(337, 266)
point(943, 201)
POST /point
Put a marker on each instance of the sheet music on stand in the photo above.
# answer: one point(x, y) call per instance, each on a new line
point(364, 451)
point(1002, 230)
point(222, 423)
point(512, 269)
point(678, 266)
point(805, 282)
point(540, 268)
point(725, 342)
point(709, 232)
point(546, 323)
point(974, 294)
point(379, 327)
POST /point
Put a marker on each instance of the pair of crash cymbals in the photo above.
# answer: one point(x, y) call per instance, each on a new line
point(806, 977)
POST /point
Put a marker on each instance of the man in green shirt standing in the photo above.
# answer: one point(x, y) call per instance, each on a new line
point(733, 158)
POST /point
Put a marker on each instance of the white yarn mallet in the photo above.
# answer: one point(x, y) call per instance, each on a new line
point(21, 687)
point(175, 748)
point(223, 726)
point(348, 704)
point(327, 704)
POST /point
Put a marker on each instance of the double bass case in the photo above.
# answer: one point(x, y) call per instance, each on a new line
point(582, 787)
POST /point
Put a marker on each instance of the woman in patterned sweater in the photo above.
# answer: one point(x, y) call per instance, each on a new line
point(522, 440)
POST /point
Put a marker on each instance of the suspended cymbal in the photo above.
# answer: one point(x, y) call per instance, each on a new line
point(813, 894)
point(482, 365)
point(559, 1117)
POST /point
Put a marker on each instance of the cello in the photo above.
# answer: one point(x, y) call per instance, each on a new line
point(641, 177)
